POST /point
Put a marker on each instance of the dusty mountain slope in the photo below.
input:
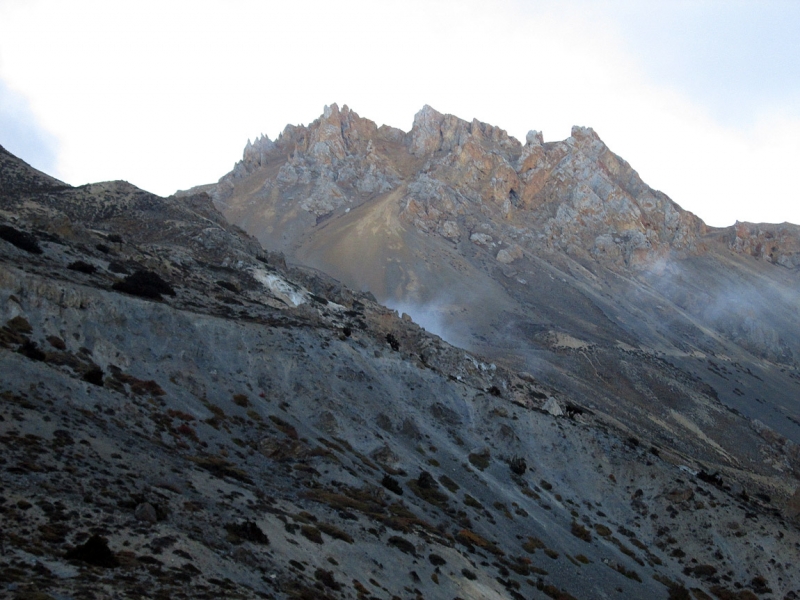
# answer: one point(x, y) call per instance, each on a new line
point(183, 415)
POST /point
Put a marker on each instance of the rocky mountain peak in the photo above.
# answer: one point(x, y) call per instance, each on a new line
point(433, 131)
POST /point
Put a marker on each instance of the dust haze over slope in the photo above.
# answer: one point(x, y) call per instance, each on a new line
point(183, 414)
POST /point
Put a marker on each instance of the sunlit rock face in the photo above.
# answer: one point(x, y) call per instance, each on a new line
point(450, 177)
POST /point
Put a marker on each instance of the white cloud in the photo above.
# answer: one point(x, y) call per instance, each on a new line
point(165, 94)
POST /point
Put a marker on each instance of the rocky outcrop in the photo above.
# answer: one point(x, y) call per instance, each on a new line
point(777, 244)
point(460, 177)
point(328, 165)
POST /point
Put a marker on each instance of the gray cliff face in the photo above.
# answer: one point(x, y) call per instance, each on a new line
point(184, 414)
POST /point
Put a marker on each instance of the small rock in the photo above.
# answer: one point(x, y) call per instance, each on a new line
point(481, 238)
point(509, 255)
point(450, 230)
point(676, 496)
point(553, 407)
point(534, 138)
point(146, 512)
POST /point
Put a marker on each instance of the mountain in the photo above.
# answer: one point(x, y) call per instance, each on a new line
point(552, 258)
point(185, 413)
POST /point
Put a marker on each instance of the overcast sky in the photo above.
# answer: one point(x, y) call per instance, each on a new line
point(701, 97)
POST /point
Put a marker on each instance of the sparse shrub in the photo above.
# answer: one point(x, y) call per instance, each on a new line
point(284, 427)
point(726, 594)
point(517, 465)
point(305, 517)
point(114, 238)
point(582, 559)
point(312, 533)
point(335, 532)
point(495, 391)
point(402, 544)
point(702, 571)
point(448, 483)
point(480, 459)
point(760, 585)
point(426, 487)
point(545, 485)
point(21, 239)
point(629, 573)
point(247, 531)
point(678, 592)
point(30, 349)
point(19, 324)
point(217, 411)
point(580, 531)
point(145, 284)
point(82, 267)
point(179, 414)
point(551, 553)
point(56, 342)
point(557, 594)
point(327, 579)
point(436, 560)
point(469, 574)
point(241, 400)
point(103, 248)
point(219, 467)
point(602, 530)
point(426, 481)
point(503, 508)
point(94, 376)
point(391, 484)
point(186, 429)
point(533, 544)
point(470, 538)
point(141, 387)
point(470, 501)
